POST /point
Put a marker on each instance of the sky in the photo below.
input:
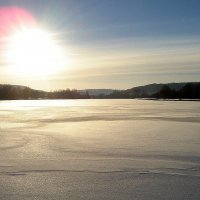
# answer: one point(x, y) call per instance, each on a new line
point(116, 44)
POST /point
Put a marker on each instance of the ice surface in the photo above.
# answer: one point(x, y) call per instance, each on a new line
point(99, 149)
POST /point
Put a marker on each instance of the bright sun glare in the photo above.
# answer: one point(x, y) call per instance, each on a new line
point(34, 52)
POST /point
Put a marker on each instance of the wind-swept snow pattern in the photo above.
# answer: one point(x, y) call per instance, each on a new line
point(99, 149)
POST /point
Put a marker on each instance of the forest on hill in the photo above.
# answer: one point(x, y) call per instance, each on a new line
point(155, 91)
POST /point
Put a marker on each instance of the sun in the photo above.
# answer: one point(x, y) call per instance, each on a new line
point(34, 52)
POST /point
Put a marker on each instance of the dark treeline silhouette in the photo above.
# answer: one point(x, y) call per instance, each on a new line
point(10, 92)
point(67, 94)
point(187, 91)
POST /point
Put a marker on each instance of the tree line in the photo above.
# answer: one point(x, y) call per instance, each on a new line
point(188, 91)
point(10, 92)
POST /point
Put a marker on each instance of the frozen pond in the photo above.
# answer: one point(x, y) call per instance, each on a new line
point(100, 149)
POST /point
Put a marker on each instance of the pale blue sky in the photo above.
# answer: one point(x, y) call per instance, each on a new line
point(119, 43)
